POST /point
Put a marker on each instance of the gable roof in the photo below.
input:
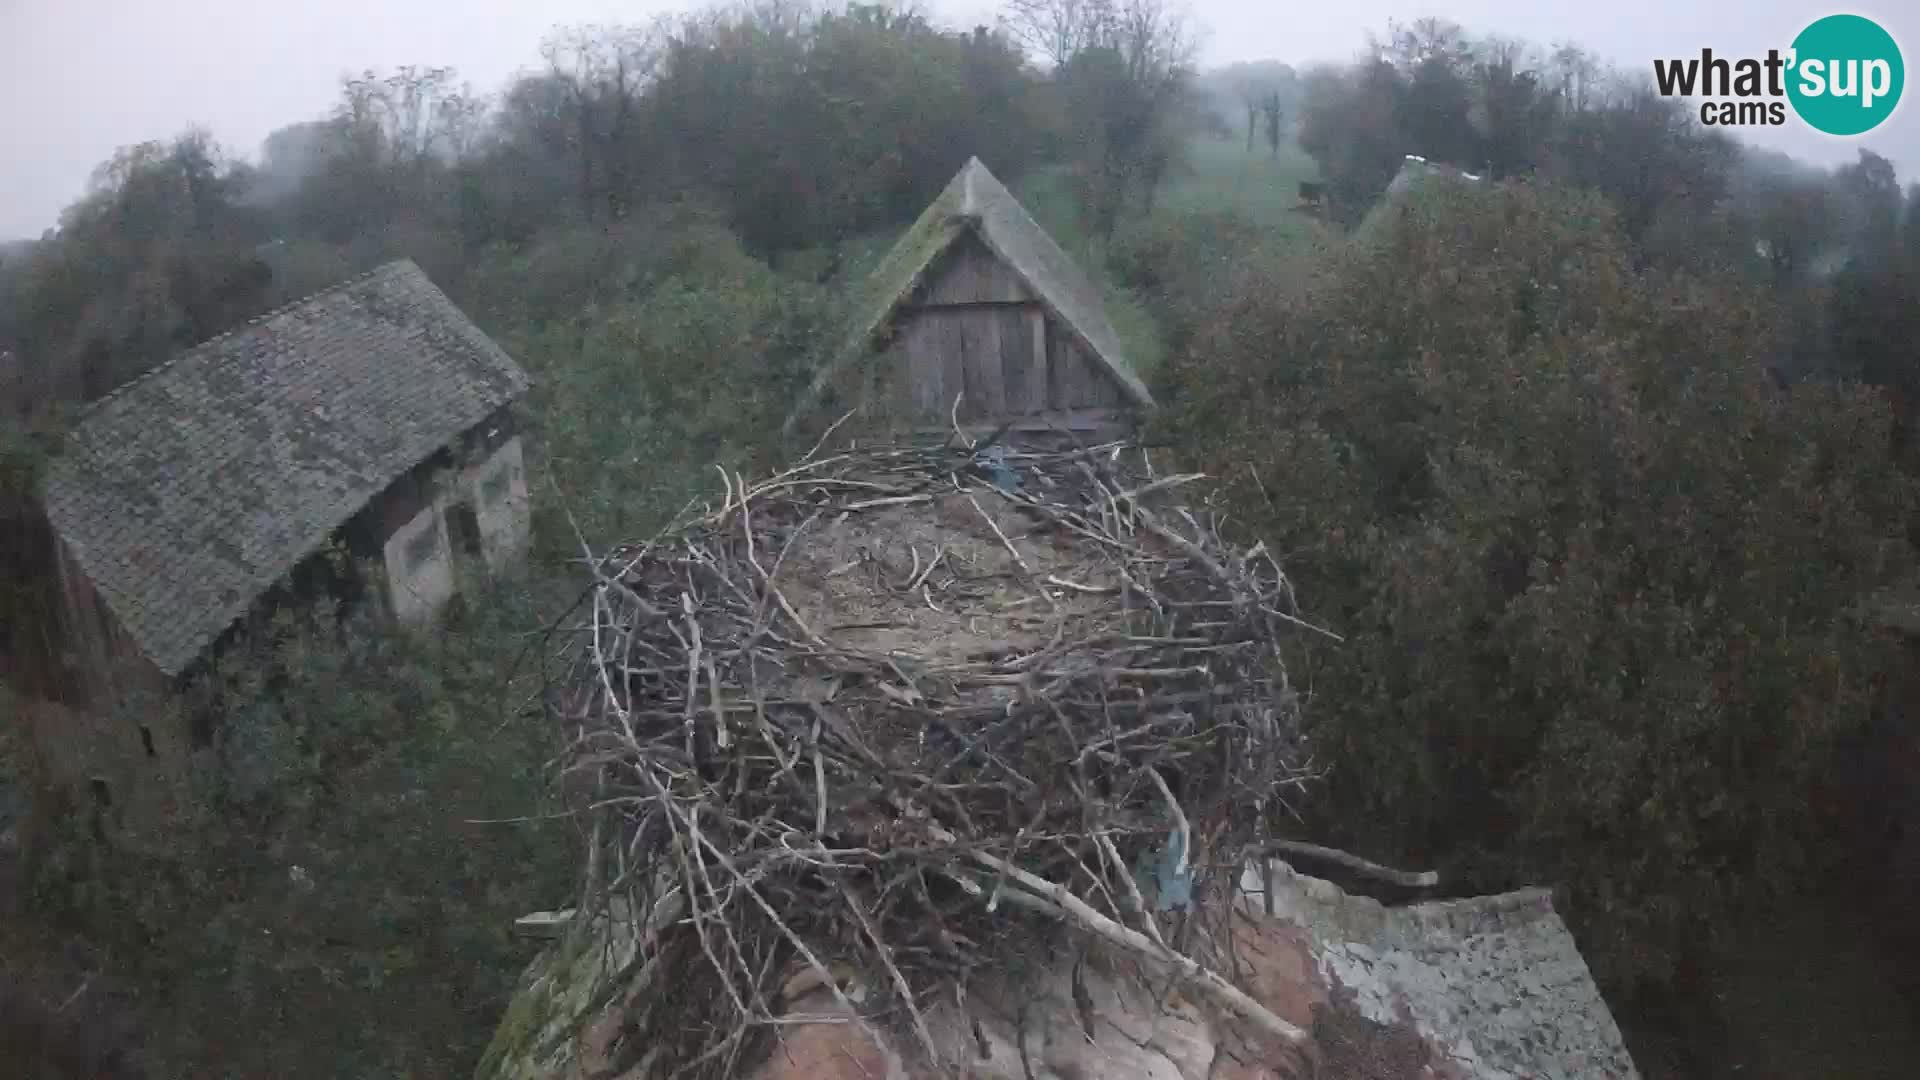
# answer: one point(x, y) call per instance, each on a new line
point(975, 201)
point(190, 491)
point(1415, 169)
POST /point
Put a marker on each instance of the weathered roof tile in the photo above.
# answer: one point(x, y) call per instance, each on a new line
point(188, 492)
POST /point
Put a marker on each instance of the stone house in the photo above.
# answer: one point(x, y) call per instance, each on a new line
point(372, 419)
point(977, 313)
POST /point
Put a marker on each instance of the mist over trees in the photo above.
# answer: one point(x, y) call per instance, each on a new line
point(1594, 462)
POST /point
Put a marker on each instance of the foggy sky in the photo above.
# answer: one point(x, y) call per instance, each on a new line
point(81, 78)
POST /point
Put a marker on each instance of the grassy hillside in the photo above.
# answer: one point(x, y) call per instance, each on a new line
point(1223, 176)
point(1220, 178)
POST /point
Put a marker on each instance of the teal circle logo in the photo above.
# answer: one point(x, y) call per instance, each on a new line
point(1846, 75)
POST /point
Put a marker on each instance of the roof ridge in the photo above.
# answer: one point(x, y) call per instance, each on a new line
point(181, 354)
point(215, 518)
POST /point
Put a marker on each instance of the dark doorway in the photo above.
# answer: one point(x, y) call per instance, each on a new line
point(463, 530)
point(463, 536)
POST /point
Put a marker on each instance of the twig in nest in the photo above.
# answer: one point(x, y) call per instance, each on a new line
point(1119, 870)
point(1223, 992)
point(954, 418)
point(1179, 821)
point(835, 426)
point(1047, 739)
point(900, 986)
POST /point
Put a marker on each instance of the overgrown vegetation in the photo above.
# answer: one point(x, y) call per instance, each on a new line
point(1594, 568)
point(357, 842)
point(1591, 461)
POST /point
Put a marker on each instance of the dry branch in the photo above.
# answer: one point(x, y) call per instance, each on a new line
point(844, 753)
point(1299, 849)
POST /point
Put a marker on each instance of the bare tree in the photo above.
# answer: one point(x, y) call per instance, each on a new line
point(1251, 94)
point(1058, 30)
point(1270, 110)
point(1409, 45)
point(601, 73)
point(1577, 74)
point(410, 116)
point(1126, 69)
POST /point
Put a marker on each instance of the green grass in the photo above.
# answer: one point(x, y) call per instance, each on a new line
point(1049, 198)
point(1221, 175)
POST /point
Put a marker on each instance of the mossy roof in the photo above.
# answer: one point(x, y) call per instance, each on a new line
point(975, 201)
point(189, 492)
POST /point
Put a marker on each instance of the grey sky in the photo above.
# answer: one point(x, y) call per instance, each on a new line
point(80, 78)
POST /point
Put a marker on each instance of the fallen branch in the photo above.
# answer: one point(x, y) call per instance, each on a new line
point(1298, 849)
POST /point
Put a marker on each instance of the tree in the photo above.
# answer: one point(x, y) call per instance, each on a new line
point(1350, 123)
point(1271, 112)
point(1869, 193)
point(1575, 74)
point(1252, 97)
point(1124, 70)
point(601, 74)
point(1514, 111)
point(160, 253)
point(1645, 152)
point(1792, 220)
point(1595, 572)
point(1241, 93)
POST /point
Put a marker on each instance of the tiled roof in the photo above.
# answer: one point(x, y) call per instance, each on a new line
point(1495, 983)
point(190, 491)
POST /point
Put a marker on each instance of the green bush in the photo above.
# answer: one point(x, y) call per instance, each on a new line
point(1593, 567)
point(1181, 262)
point(637, 398)
point(330, 907)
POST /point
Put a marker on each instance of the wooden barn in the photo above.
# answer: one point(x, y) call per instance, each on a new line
point(365, 427)
point(978, 313)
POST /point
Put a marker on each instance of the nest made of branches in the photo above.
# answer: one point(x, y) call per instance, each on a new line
point(900, 712)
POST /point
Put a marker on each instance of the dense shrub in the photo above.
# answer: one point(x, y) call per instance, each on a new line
point(638, 395)
point(1183, 261)
point(331, 905)
point(1594, 569)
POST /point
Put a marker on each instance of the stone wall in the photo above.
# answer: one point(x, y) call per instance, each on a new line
point(419, 567)
point(496, 489)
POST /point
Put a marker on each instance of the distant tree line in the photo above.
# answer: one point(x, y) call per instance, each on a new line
point(1602, 464)
point(1839, 248)
point(801, 127)
point(656, 222)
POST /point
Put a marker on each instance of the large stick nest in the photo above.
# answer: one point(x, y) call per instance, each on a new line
point(904, 712)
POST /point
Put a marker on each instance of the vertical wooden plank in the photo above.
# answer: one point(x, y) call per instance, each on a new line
point(916, 366)
point(1102, 391)
point(1016, 361)
point(986, 378)
point(1039, 397)
point(954, 349)
point(1061, 362)
point(1080, 381)
point(969, 273)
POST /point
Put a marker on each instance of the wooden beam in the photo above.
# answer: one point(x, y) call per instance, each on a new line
point(1039, 380)
point(970, 305)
